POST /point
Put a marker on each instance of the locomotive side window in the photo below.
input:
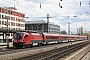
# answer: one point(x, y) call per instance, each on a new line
point(26, 36)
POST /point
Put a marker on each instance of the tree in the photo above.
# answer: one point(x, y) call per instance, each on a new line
point(88, 34)
point(63, 32)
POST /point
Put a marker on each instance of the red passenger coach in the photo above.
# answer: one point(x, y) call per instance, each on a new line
point(83, 37)
point(51, 38)
point(64, 38)
point(72, 38)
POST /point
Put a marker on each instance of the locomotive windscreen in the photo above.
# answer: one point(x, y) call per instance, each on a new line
point(18, 35)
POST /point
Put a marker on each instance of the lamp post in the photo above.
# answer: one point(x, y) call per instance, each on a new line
point(68, 28)
point(47, 23)
point(36, 28)
point(42, 28)
point(48, 28)
point(7, 34)
point(68, 23)
point(32, 27)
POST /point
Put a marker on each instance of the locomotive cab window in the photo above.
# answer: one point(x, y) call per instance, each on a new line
point(18, 35)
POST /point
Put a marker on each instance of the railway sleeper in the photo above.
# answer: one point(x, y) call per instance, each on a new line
point(63, 53)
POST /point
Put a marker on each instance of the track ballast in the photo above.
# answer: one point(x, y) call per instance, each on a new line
point(56, 53)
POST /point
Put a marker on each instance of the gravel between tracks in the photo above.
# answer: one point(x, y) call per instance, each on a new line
point(79, 54)
point(22, 54)
point(30, 52)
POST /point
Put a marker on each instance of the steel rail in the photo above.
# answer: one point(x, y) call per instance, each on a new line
point(56, 53)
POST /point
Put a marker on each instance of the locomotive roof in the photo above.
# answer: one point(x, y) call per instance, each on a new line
point(34, 33)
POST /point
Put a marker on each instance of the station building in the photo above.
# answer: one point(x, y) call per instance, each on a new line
point(15, 20)
point(42, 26)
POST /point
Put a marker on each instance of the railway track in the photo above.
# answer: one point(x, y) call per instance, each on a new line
point(56, 53)
point(84, 55)
point(4, 51)
point(10, 51)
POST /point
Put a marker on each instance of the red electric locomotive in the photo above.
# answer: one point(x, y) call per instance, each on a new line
point(24, 39)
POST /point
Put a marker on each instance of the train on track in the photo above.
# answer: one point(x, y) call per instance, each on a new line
point(29, 39)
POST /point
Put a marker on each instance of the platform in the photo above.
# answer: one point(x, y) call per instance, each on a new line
point(87, 56)
point(79, 55)
point(2, 45)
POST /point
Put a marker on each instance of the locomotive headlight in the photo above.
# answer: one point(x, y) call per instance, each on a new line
point(15, 40)
point(22, 41)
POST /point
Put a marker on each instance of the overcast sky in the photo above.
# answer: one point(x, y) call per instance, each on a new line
point(32, 9)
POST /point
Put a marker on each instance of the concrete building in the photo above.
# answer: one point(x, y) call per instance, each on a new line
point(42, 26)
point(9, 16)
point(80, 31)
point(15, 19)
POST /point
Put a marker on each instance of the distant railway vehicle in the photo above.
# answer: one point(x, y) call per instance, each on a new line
point(29, 39)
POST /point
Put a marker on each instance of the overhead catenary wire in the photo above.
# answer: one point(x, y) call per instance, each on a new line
point(28, 8)
point(25, 7)
point(81, 7)
point(75, 2)
point(55, 2)
point(45, 1)
point(40, 7)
